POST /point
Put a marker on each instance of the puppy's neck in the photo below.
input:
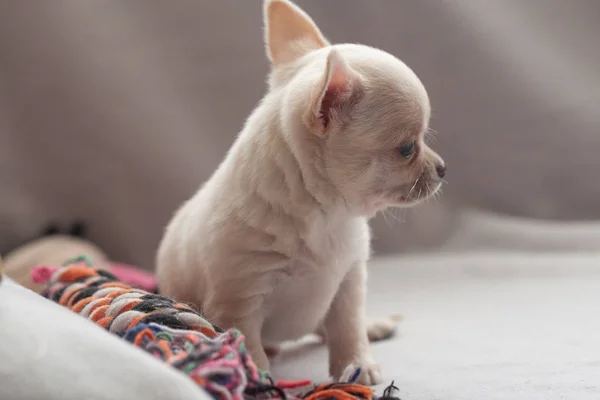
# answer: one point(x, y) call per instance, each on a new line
point(279, 171)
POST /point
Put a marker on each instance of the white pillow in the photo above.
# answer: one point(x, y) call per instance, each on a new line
point(47, 352)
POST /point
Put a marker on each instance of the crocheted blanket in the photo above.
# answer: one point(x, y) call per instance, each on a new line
point(216, 359)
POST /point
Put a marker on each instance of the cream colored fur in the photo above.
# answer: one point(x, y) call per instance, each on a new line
point(276, 242)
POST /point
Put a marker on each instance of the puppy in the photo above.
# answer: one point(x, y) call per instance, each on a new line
point(276, 242)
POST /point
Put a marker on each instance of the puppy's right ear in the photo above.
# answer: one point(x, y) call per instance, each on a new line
point(339, 90)
point(289, 32)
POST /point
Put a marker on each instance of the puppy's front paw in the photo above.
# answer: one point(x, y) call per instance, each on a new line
point(382, 328)
point(369, 374)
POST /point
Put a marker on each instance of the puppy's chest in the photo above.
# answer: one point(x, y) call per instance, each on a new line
point(308, 283)
point(319, 266)
point(331, 246)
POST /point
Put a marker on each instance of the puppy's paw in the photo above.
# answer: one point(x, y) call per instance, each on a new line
point(369, 374)
point(383, 328)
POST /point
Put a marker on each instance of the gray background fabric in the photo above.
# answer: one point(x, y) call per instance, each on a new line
point(115, 111)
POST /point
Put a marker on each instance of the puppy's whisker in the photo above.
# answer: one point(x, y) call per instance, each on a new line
point(395, 217)
point(433, 193)
point(399, 218)
point(427, 192)
point(412, 188)
point(430, 135)
point(385, 215)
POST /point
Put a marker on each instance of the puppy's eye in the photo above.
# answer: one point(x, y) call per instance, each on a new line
point(407, 150)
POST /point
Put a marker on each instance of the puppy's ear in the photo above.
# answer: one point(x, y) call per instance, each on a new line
point(289, 32)
point(338, 92)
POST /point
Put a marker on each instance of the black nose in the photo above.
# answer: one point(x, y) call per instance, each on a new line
point(441, 170)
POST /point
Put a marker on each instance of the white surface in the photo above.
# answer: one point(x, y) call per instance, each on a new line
point(491, 326)
point(50, 353)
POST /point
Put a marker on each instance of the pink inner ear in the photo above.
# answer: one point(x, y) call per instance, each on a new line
point(337, 91)
point(329, 104)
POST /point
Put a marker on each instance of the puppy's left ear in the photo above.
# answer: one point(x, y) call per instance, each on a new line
point(290, 33)
point(338, 92)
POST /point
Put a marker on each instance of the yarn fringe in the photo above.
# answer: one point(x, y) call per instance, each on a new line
point(215, 359)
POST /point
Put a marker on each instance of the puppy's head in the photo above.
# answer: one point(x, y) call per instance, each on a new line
point(356, 117)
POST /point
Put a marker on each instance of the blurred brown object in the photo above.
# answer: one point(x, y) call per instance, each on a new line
point(51, 250)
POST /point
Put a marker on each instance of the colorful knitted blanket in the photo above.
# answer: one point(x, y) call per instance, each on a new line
point(173, 332)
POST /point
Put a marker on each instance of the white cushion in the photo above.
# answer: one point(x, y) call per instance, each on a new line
point(50, 353)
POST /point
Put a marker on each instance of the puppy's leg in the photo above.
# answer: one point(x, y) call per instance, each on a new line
point(250, 327)
point(346, 331)
point(228, 311)
point(251, 331)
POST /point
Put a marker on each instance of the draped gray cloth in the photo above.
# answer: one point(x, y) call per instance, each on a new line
point(115, 111)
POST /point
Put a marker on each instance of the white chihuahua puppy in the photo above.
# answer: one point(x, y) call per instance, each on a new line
point(276, 242)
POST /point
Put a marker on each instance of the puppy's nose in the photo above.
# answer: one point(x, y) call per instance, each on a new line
point(441, 170)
